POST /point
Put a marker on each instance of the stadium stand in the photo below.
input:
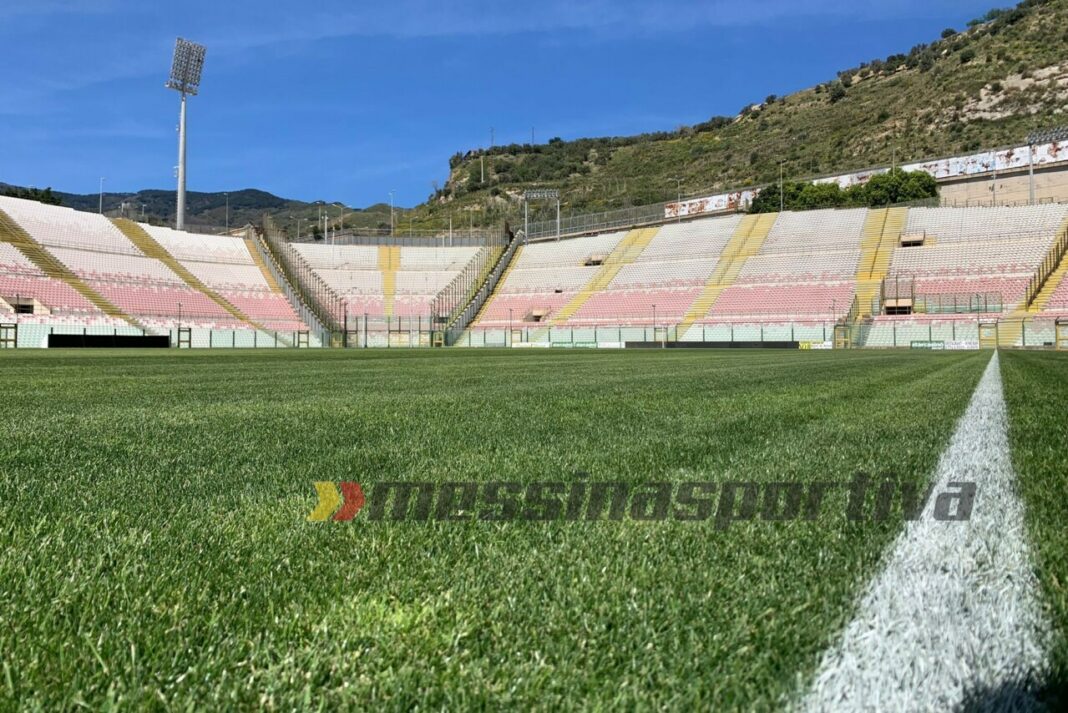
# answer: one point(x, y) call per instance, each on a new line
point(60, 268)
point(890, 276)
point(386, 282)
point(791, 272)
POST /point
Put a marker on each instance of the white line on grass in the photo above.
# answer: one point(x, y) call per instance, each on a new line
point(954, 618)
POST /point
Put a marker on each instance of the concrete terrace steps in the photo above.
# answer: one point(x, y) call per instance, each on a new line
point(625, 253)
point(882, 233)
point(500, 282)
point(1052, 283)
point(257, 259)
point(747, 240)
point(388, 262)
point(1041, 300)
point(148, 245)
point(13, 234)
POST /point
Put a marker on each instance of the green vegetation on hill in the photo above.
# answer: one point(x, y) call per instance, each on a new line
point(208, 210)
point(988, 85)
point(45, 196)
point(886, 189)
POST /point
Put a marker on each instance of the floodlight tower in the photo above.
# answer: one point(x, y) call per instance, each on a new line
point(185, 79)
point(540, 194)
point(1041, 137)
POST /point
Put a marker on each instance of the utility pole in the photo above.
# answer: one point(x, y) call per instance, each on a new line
point(995, 185)
point(1031, 173)
point(391, 214)
point(101, 195)
point(782, 196)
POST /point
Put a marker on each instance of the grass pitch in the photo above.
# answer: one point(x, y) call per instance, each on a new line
point(1036, 393)
point(157, 555)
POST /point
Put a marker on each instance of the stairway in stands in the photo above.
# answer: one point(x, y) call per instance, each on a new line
point(1047, 284)
point(626, 252)
point(388, 263)
point(518, 250)
point(257, 259)
point(12, 233)
point(882, 233)
point(148, 245)
point(747, 240)
point(1045, 281)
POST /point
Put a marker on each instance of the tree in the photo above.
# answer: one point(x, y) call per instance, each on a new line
point(34, 194)
point(948, 32)
point(896, 186)
point(837, 93)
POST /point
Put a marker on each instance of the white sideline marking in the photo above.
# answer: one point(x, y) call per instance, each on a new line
point(955, 615)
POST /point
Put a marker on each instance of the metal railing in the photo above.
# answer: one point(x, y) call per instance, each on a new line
point(977, 303)
point(618, 335)
point(599, 222)
point(360, 331)
point(474, 305)
point(451, 300)
point(292, 295)
point(420, 238)
point(323, 301)
point(1046, 267)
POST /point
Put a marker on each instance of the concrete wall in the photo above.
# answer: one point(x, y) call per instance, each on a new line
point(1051, 186)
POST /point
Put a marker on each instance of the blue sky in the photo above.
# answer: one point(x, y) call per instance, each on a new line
point(346, 101)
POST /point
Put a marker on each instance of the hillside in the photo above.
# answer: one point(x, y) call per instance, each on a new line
point(208, 210)
point(988, 85)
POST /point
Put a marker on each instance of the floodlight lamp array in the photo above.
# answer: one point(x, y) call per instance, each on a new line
point(187, 67)
point(536, 194)
point(1048, 136)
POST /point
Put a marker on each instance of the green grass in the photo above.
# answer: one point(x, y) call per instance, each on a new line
point(156, 553)
point(1036, 394)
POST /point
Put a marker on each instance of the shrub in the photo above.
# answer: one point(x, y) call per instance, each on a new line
point(896, 186)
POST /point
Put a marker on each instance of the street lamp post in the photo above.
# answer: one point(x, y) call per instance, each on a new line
point(391, 214)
